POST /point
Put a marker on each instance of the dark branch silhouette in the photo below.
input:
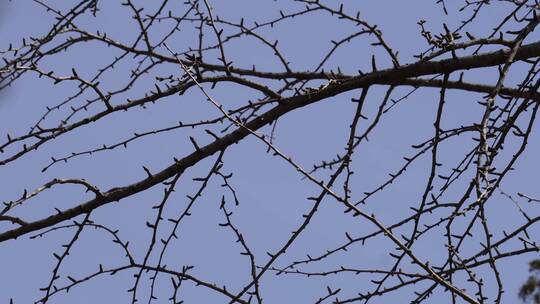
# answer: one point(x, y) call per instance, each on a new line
point(187, 51)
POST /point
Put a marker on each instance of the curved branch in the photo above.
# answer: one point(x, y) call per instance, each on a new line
point(287, 105)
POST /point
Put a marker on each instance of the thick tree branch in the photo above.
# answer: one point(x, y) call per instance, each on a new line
point(287, 105)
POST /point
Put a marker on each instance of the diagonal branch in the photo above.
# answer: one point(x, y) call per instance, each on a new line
point(287, 105)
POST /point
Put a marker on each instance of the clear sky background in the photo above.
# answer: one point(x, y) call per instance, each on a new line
point(272, 194)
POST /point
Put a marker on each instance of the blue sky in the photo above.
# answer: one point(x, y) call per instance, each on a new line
point(272, 194)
